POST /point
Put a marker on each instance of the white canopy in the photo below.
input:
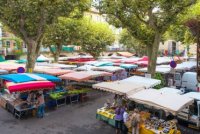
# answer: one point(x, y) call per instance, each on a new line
point(108, 69)
point(146, 82)
point(186, 65)
point(42, 58)
point(172, 103)
point(169, 90)
point(164, 69)
point(84, 68)
point(194, 95)
point(119, 87)
point(162, 60)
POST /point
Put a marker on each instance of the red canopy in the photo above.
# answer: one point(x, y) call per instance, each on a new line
point(28, 86)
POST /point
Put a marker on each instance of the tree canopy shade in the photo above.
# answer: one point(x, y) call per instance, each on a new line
point(146, 20)
point(28, 19)
point(131, 43)
point(95, 37)
point(64, 32)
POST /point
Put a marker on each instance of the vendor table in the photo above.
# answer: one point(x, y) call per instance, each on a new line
point(19, 111)
point(143, 130)
point(60, 101)
point(106, 116)
point(106, 119)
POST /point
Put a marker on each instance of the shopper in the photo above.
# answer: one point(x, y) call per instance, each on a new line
point(125, 119)
point(41, 105)
point(135, 121)
point(31, 98)
point(119, 111)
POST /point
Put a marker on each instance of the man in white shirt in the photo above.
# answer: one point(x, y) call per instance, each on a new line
point(125, 119)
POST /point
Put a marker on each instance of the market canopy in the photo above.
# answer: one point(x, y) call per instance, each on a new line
point(111, 69)
point(186, 65)
point(125, 54)
point(147, 82)
point(102, 63)
point(42, 58)
point(10, 66)
point(83, 75)
point(84, 68)
point(172, 103)
point(169, 90)
point(3, 71)
point(55, 72)
point(163, 69)
point(26, 77)
point(28, 86)
point(119, 87)
point(128, 66)
point(56, 65)
point(194, 95)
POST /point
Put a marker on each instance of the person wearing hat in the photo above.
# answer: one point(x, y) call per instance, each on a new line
point(40, 105)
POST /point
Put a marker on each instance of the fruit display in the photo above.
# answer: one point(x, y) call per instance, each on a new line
point(81, 91)
point(109, 113)
point(58, 95)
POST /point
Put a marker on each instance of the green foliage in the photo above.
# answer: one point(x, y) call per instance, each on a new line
point(131, 43)
point(146, 20)
point(95, 37)
point(159, 77)
point(28, 19)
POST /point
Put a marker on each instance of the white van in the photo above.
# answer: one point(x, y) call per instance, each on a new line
point(188, 81)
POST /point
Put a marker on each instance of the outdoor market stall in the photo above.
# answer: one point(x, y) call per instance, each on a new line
point(56, 65)
point(26, 77)
point(118, 72)
point(127, 86)
point(119, 87)
point(17, 106)
point(19, 84)
point(55, 72)
point(84, 75)
point(164, 101)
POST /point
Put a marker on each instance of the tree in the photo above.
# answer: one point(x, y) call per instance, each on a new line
point(64, 32)
point(146, 20)
point(131, 43)
point(28, 20)
point(95, 37)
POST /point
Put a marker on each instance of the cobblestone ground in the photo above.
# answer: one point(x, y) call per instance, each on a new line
point(70, 119)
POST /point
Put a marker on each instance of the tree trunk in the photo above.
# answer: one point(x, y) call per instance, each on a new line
point(58, 51)
point(153, 53)
point(31, 55)
point(198, 57)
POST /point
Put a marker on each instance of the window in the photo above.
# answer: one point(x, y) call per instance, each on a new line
point(8, 44)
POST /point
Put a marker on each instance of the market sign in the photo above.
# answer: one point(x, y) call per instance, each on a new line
point(173, 64)
point(20, 70)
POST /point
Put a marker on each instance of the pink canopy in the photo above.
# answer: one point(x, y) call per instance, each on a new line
point(84, 75)
point(144, 58)
point(142, 63)
point(28, 86)
point(10, 67)
point(55, 72)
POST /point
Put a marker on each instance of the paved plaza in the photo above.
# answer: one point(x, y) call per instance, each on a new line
point(70, 119)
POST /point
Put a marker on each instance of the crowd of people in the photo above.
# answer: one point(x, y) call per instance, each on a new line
point(124, 120)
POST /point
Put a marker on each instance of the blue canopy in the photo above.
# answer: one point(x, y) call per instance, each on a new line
point(128, 66)
point(103, 63)
point(49, 77)
point(26, 77)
